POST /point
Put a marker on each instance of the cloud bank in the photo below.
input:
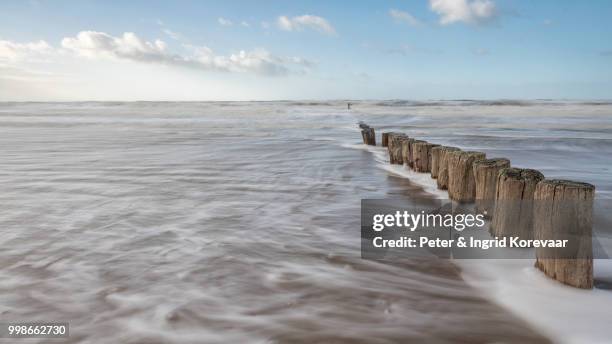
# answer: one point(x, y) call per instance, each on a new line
point(466, 11)
point(129, 46)
point(306, 21)
point(11, 51)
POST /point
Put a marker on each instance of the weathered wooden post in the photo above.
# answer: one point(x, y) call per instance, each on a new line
point(406, 142)
point(435, 161)
point(442, 179)
point(385, 139)
point(461, 185)
point(369, 137)
point(391, 138)
point(367, 133)
point(395, 148)
point(513, 214)
point(411, 153)
point(485, 177)
point(563, 210)
point(422, 156)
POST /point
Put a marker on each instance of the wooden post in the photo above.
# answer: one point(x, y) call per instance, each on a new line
point(418, 150)
point(364, 132)
point(406, 142)
point(395, 148)
point(391, 140)
point(461, 185)
point(435, 161)
point(369, 137)
point(385, 139)
point(422, 156)
point(563, 210)
point(411, 154)
point(443, 166)
point(513, 214)
point(485, 177)
point(364, 136)
point(367, 133)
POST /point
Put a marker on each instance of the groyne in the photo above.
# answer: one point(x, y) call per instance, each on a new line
point(519, 202)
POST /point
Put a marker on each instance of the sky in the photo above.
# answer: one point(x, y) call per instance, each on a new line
point(276, 50)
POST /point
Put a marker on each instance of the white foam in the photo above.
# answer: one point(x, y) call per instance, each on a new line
point(382, 159)
point(424, 180)
point(563, 313)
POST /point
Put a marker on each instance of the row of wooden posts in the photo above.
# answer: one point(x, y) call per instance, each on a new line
point(520, 202)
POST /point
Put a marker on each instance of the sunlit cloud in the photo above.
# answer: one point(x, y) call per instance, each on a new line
point(129, 46)
point(306, 21)
point(13, 51)
point(466, 11)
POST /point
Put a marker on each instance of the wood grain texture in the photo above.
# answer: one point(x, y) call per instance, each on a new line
point(442, 179)
point(485, 177)
point(563, 209)
point(461, 184)
point(513, 214)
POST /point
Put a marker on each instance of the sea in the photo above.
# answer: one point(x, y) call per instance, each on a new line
point(239, 222)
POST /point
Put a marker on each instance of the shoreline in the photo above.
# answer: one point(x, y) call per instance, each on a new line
point(523, 290)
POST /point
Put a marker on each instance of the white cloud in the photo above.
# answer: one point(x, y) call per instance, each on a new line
point(130, 47)
point(259, 61)
point(466, 11)
point(225, 22)
point(265, 25)
point(11, 51)
point(404, 17)
point(300, 23)
point(245, 23)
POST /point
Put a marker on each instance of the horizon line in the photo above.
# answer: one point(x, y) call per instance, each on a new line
point(316, 100)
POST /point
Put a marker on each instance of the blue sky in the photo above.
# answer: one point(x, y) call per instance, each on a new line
point(241, 50)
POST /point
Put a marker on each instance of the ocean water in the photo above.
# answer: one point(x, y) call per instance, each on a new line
point(220, 222)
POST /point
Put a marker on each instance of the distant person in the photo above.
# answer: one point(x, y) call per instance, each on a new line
point(348, 106)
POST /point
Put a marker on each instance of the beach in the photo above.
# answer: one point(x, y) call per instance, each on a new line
point(240, 221)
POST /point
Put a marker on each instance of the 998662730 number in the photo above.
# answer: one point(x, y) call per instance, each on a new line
point(34, 330)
